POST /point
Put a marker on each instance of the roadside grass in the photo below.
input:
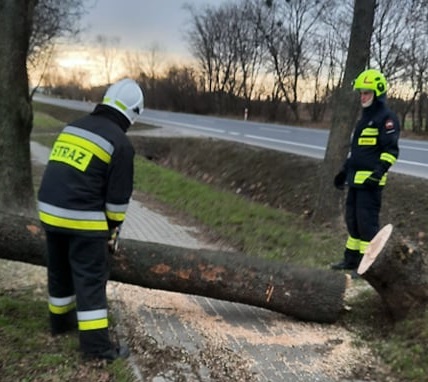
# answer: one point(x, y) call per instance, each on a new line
point(46, 123)
point(60, 114)
point(251, 228)
point(406, 349)
point(50, 118)
point(402, 345)
point(30, 353)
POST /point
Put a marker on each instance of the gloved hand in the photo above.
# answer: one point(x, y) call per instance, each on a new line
point(371, 182)
point(113, 241)
point(339, 180)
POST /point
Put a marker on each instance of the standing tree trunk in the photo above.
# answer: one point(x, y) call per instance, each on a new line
point(344, 109)
point(16, 192)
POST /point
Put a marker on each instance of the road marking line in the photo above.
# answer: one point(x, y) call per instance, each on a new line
point(193, 127)
point(284, 142)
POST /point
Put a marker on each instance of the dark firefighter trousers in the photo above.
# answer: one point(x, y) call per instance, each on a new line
point(78, 265)
point(362, 220)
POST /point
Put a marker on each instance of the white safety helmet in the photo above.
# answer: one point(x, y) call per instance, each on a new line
point(127, 97)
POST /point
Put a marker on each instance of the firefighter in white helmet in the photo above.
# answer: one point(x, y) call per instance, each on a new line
point(82, 200)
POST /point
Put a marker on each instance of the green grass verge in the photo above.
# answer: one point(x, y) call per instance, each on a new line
point(402, 345)
point(251, 227)
point(46, 123)
point(406, 349)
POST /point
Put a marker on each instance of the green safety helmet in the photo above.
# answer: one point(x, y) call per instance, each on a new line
point(371, 79)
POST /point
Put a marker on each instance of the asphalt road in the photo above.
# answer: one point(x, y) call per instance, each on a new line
point(297, 140)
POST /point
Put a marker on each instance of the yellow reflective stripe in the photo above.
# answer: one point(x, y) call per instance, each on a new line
point(361, 176)
point(87, 145)
point(116, 211)
point(55, 309)
point(353, 244)
point(370, 131)
point(363, 246)
point(89, 225)
point(363, 141)
point(117, 216)
point(62, 305)
point(388, 158)
point(74, 219)
point(121, 105)
point(93, 324)
point(117, 103)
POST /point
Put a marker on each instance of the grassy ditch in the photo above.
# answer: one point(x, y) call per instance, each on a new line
point(248, 226)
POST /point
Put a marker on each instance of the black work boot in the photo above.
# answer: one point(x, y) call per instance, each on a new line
point(351, 261)
point(95, 344)
point(343, 265)
point(63, 323)
point(110, 355)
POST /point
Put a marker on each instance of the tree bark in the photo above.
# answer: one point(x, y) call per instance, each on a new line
point(306, 294)
point(16, 191)
point(344, 110)
point(398, 271)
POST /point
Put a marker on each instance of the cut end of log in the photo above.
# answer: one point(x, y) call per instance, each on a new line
point(374, 248)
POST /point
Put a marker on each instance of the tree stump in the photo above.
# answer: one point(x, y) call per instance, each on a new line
point(398, 271)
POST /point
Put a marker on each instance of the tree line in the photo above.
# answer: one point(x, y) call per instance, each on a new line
point(281, 60)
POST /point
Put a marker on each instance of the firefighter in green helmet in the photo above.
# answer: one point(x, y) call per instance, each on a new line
point(374, 149)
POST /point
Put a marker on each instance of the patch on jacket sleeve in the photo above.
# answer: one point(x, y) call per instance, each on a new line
point(389, 124)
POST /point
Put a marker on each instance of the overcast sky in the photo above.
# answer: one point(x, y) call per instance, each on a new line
point(140, 23)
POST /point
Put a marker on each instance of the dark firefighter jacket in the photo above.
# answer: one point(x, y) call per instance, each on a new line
point(88, 180)
point(374, 145)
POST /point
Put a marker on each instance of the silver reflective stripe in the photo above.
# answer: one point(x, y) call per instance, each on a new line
point(61, 301)
point(71, 214)
point(94, 138)
point(92, 315)
point(116, 207)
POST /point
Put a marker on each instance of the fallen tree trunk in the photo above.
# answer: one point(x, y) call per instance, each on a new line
point(398, 271)
point(306, 294)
